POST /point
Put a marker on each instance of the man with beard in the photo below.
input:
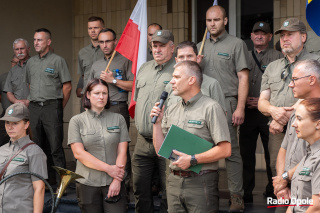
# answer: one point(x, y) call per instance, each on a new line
point(15, 87)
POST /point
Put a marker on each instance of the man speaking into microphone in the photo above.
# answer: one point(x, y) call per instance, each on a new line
point(202, 116)
point(152, 78)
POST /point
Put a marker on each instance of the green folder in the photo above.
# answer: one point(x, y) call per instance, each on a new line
point(183, 141)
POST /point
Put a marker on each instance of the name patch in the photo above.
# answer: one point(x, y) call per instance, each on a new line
point(305, 171)
point(113, 127)
point(166, 82)
point(224, 54)
point(194, 122)
point(18, 159)
point(49, 70)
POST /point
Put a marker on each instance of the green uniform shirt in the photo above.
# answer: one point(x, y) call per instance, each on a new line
point(4, 99)
point(150, 83)
point(313, 43)
point(15, 82)
point(86, 57)
point(295, 147)
point(264, 57)
point(305, 180)
point(100, 136)
point(278, 76)
point(149, 55)
point(209, 87)
point(46, 76)
point(122, 64)
point(200, 116)
point(222, 60)
point(16, 194)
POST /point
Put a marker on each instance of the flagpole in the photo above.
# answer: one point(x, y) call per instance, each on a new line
point(114, 52)
point(203, 40)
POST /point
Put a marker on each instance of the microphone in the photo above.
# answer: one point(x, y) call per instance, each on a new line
point(163, 98)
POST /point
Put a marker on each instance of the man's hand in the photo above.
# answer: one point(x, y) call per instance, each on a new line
point(114, 188)
point(107, 76)
point(278, 184)
point(281, 115)
point(156, 111)
point(252, 102)
point(184, 160)
point(275, 127)
point(284, 194)
point(238, 117)
point(116, 172)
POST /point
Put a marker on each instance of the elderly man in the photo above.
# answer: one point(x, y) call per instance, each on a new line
point(152, 78)
point(276, 98)
point(188, 191)
point(50, 88)
point(152, 28)
point(17, 90)
point(255, 123)
point(226, 59)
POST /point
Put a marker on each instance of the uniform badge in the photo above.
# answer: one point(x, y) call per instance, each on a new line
point(305, 171)
point(166, 82)
point(159, 33)
point(10, 111)
point(286, 23)
point(49, 70)
point(261, 25)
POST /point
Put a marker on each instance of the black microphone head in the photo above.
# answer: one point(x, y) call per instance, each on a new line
point(164, 95)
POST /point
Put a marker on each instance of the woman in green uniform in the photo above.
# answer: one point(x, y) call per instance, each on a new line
point(99, 140)
point(21, 193)
point(305, 181)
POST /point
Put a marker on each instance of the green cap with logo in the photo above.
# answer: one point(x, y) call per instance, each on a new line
point(261, 25)
point(292, 24)
point(163, 36)
point(16, 112)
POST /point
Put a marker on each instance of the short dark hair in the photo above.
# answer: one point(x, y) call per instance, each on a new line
point(155, 24)
point(193, 69)
point(94, 82)
point(45, 30)
point(185, 44)
point(109, 30)
point(96, 18)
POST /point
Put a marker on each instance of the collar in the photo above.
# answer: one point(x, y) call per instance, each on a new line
point(298, 56)
point(220, 37)
point(193, 100)
point(20, 142)
point(93, 47)
point(94, 114)
point(24, 63)
point(107, 59)
point(262, 52)
point(160, 67)
point(315, 147)
point(46, 55)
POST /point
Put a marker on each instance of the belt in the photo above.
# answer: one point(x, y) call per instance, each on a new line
point(117, 102)
point(187, 174)
point(45, 103)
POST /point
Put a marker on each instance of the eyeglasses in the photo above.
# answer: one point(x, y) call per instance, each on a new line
point(107, 41)
point(293, 80)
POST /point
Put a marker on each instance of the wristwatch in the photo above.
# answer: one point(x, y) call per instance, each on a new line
point(285, 176)
point(193, 160)
point(114, 81)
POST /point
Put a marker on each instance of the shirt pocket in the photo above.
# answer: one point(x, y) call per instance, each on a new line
point(51, 76)
point(305, 189)
point(275, 84)
point(141, 89)
point(89, 137)
point(113, 134)
point(86, 64)
point(15, 82)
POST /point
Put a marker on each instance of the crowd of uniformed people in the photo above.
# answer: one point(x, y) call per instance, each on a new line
point(217, 90)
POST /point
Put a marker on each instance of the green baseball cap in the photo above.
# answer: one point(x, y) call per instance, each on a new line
point(292, 24)
point(163, 36)
point(16, 112)
point(261, 25)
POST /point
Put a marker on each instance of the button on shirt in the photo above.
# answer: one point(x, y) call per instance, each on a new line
point(86, 57)
point(200, 116)
point(222, 60)
point(16, 194)
point(119, 62)
point(277, 77)
point(150, 83)
point(264, 57)
point(15, 82)
point(295, 147)
point(305, 180)
point(46, 76)
point(100, 135)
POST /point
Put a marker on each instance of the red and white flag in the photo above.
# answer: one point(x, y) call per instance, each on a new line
point(133, 43)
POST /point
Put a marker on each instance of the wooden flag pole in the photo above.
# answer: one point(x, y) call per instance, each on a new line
point(203, 40)
point(113, 54)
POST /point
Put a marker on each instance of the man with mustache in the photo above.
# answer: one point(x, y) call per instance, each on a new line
point(256, 123)
point(276, 98)
point(15, 87)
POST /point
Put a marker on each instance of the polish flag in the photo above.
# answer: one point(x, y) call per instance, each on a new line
point(133, 43)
